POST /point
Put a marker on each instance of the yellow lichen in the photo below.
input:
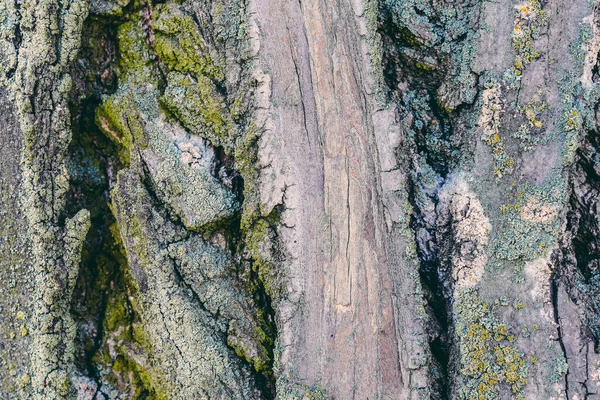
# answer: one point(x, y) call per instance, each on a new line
point(528, 132)
point(529, 19)
point(24, 380)
point(488, 359)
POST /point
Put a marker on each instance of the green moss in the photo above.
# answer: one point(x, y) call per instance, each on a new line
point(257, 239)
point(117, 118)
point(142, 384)
point(136, 57)
point(141, 337)
point(257, 227)
point(121, 326)
point(198, 93)
point(117, 313)
point(259, 234)
point(425, 66)
point(179, 45)
point(260, 361)
point(198, 105)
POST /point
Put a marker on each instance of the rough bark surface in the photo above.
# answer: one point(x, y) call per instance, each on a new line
point(259, 199)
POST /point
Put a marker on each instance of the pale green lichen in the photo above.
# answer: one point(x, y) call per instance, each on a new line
point(171, 312)
point(575, 114)
point(287, 389)
point(558, 370)
point(41, 67)
point(527, 227)
point(9, 21)
point(210, 274)
point(376, 55)
point(437, 36)
point(529, 132)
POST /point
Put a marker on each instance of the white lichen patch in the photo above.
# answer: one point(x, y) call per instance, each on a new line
point(85, 387)
point(538, 271)
point(491, 112)
point(590, 48)
point(470, 228)
point(490, 123)
point(536, 211)
point(595, 373)
point(194, 150)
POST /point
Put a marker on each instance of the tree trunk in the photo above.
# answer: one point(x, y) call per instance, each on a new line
point(248, 199)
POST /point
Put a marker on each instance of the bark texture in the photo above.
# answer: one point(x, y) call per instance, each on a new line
point(259, 199)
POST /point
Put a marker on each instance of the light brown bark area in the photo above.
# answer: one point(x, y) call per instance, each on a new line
point(348, 324)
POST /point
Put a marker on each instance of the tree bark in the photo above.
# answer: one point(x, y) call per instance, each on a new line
point(248, 199)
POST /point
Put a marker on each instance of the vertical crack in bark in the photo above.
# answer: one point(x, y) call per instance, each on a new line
point(300, 87)
point(419, 77)
point(587, 374)
point(581, 251)
point(432, 280)
point(430, 250)
point(576, 271)
point(557, 321)
point(100, 303)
